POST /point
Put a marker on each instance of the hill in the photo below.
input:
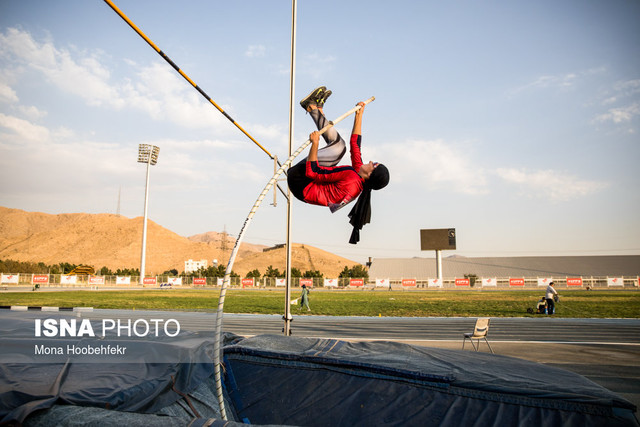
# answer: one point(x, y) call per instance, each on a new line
point(303, 257)
point(115, 242)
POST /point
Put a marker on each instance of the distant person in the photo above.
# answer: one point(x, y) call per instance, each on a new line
point(319, 181)
point(551, 297)
point(304, 298)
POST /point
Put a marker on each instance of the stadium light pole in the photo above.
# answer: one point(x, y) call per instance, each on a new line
point(146, 154)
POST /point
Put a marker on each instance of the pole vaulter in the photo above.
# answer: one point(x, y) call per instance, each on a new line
point(236, 247)
point(166, 58)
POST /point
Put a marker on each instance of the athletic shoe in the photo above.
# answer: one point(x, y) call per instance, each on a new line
point(322, 100)
point(313, 97)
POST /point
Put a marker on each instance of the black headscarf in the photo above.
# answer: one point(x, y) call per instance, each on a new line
point(361, 212)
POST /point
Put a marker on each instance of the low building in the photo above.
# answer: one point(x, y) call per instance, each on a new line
point(544, 266)
point(190, 265)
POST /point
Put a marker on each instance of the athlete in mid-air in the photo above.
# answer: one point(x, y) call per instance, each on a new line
point(320, 181)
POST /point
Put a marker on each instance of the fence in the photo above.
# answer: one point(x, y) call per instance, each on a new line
point(8, 281)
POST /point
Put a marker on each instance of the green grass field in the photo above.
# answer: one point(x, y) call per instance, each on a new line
point(595, 304)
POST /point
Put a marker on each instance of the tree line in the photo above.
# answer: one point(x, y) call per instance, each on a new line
point(27, 267)
point(356, 271)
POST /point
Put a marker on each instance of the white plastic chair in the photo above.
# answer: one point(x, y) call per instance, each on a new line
point(480, 331)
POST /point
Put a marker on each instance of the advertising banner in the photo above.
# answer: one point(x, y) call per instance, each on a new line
point(330, 283)
point(200, 281)
point(220, 281)
point(308, 282)
point(96, 280)
point(435, 283)
point(489, 281)
point(463, 282)
point(123, 280)
point(382, 283)
point(247, 282)
point(175, 281)
point(574, 281)
point(281, 282)
point(615, 281)
point(10, 278)
point(516, 281)
point(356, 282)
point(67, 280)
point(408, 282)
point(544, 281)
point(150, 281)
point(40, 278)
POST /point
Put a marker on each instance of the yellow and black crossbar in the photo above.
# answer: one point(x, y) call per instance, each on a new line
point(166, 58)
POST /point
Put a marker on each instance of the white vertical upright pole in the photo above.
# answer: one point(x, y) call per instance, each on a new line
point(144, 224)
point(439, 265)
point(227, 275)
point(292, 85)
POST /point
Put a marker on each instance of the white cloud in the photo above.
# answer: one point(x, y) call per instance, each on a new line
point(37, 161)
point(256, 51)
point(7, 94)
point(162, 94)
point(85, 77)
point(625, 92)
point(270, 132)
point(621, 91)
point(31, 112)
point(62, 133)
point(315, 65)
point(24, 129)
point(157, 90)
point(549, 81)
point(549, 184)
point(197, 145)
point(557, 81)
point(435, 165)
point(628, 88)
point(620, 114)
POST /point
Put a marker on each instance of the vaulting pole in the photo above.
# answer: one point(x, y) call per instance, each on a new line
point(236, 247)
point(166, 58)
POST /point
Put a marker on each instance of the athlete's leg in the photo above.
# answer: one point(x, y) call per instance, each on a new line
point(332, 153)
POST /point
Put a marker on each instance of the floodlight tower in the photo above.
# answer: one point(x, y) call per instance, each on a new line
point(146, 154)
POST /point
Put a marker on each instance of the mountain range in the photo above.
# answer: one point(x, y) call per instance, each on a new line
point(115, 242)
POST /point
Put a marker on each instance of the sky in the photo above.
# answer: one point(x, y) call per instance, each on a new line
point(515, 122)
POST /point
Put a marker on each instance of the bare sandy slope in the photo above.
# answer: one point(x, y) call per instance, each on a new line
point(303, 257)
point(115, 242)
